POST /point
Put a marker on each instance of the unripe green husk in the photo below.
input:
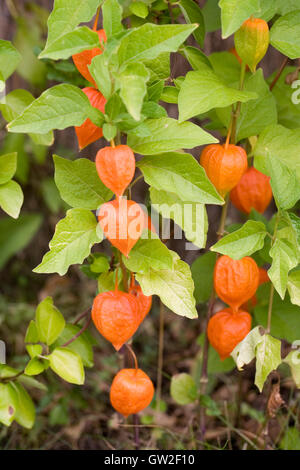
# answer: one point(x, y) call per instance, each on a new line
point(252, 41)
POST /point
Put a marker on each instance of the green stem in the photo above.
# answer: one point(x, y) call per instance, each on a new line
point(272, 290)
point(237, 110)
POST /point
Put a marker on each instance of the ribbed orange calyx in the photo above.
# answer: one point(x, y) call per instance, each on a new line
point(88, 132)
point(144, 301)
point(116, 316)
point(236, 281)
point(224, 165)
point(253, 191)
point(131, 391)
point(252, 41)
point(116, 167)
point(83, 59)
point(122, 222)
point(226, 329)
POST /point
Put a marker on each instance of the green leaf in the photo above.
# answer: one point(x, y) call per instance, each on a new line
point(174, 287)
point(290, 440)
point(139, 9)
point(11, 198)
point(268, 358)
point(183, 389)
point(234, 13)
point(166, 134)
point(31, 382)
point(284, 183)
point(287, 107)
point(190, 216)
point(7, 404)
point(245, 351)
point(293, 360)
point(65, 17)
point(226, 66)
point(149, 253)
point(82, 345)
point(79, 184)
point(8, 166)
point(32, 335)
point(212, 15)
point(293, 286)
point(112, 17)
point(68, 365)
point(285, 34)
point(286, 6)
point(243, 242)
point(57, 108)
point(9, 59)
point(195, 57)
point(169, 94)
point(25, 411)
point(256, 114)
point(49, 321)
point(73, 238)
point(284, 256)
point(203, 90)
point(34, 367)
point(99, 69)
point(202, 272)
point(76, 41)
point(193, 14)
point(179, 173)
point(34, 350)
point(16, 234)
point(133, 88)
point(15, 103)
point(150, 40)
point(109, 131)
point(278, 142)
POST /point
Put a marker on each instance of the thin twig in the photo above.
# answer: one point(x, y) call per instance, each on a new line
point(85, 326)
point(160, 354)
point(81, 316)
point(278, 75)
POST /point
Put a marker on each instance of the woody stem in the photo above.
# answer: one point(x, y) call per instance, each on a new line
point(160, 354)
point(136, 366)
point(237, 110)
point(96, 19)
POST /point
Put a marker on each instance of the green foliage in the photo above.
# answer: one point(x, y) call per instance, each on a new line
point(183, 389)
point(49, 321)
point(68, 365)
point(285, 36)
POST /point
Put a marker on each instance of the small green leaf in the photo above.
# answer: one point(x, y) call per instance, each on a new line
point(293, 360)
point(112, 17)
point(25, 411)
point(294, 287)
point(11, 198)
point(174, 287)
point(109, 131)
point(179, 173)
point(139, 9)
point(245, 351)
point(183, 389)
point(72, 241)
point(149, 253)
point(9, 59)
point(49, 321)
point(133, 88)
point(71, 43)
point(79, 184)
point(193, 14)
point(8, 166)
point(243, 242)
point(34, 367)
point(285, 258)
point(268, 358)
point(34, 350)
point(68, 365)
point(8, 404)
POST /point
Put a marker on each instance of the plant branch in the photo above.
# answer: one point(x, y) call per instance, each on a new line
point(160, 354)
point(85, 326)
point(272, 290)
point(278, 75)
